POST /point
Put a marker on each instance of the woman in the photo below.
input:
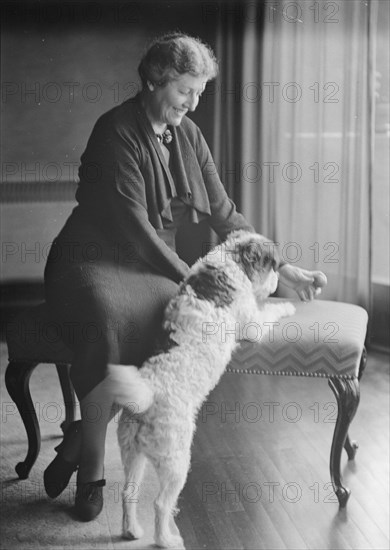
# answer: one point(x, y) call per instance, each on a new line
point(113, 268)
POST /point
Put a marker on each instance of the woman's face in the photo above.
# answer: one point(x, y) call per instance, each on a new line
point(168, 104)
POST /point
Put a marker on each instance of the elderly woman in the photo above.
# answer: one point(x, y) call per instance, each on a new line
point(111, 271)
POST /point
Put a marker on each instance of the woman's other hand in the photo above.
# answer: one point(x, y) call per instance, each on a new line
point(307, 284)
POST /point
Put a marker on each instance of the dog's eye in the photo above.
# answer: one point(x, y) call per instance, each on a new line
point(270, 261)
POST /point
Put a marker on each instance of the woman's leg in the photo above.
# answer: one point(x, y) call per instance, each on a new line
point(97, 409)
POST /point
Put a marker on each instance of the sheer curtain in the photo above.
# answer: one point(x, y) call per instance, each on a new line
point(294, 132)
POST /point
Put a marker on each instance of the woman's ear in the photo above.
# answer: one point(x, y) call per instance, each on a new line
point(150, 86)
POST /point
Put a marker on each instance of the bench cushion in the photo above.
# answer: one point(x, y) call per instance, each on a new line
point(322, 339)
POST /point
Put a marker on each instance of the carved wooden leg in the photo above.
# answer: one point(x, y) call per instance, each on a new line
point(347, 395)
point(17, 379)
point(68, 394)
point(352, 446)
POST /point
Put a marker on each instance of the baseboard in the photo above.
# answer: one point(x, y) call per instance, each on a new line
point(37, 191)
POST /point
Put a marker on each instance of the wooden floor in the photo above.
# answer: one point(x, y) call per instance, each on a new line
point(260, 470)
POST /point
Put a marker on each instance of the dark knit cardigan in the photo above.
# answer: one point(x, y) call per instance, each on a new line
point(126, 186)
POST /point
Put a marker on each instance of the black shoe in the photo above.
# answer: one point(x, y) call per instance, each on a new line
point(89, 499)
point(57, 475)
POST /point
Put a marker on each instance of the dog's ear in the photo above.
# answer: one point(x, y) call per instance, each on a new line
point(212, 283)
point(255, 256)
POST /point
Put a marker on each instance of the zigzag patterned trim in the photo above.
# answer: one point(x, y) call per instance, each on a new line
point(300, 354)
point(300, 362)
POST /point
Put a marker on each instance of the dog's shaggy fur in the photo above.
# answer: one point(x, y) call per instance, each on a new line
point(223, 292)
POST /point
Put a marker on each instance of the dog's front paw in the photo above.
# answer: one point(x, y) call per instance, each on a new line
point(133, 533)
point(287, 309)
point(274, 312)
point(170, 541)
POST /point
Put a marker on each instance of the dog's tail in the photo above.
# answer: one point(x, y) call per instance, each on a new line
point(129, 388)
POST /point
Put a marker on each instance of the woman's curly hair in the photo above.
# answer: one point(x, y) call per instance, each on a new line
point(174, 54)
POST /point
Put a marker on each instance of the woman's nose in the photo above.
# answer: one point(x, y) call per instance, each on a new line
point(192, 102)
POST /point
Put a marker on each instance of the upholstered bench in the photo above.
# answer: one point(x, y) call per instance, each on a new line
point(323, 339)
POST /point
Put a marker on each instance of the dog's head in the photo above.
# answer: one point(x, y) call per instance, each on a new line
point(258, 258)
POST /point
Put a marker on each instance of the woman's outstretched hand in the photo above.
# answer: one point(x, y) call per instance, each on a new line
point(307, 284)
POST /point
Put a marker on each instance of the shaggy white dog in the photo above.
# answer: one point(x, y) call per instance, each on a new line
point(223, 292)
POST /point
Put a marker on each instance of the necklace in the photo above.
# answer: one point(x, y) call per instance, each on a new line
point(165, 137)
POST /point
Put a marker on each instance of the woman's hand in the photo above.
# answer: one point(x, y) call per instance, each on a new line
point(307, 284)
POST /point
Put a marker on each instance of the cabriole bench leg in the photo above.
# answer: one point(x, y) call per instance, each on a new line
point(17, 379)
point(352, 446)
point(347, 394)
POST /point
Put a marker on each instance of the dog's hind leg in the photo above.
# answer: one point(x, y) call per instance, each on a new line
point(172, 476)
point(134, 463)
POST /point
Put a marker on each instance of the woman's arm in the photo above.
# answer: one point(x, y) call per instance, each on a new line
point(131, 220)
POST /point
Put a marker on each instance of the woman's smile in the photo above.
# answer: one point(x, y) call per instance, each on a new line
point(168, 104)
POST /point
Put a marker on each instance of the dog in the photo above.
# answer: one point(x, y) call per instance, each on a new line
point(224, 291)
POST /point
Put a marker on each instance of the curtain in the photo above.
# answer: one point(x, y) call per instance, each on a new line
point(293, 131)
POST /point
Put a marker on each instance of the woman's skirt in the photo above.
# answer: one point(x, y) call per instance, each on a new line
point(109, 306)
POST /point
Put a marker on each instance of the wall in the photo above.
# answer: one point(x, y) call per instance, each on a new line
point(63, 65)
